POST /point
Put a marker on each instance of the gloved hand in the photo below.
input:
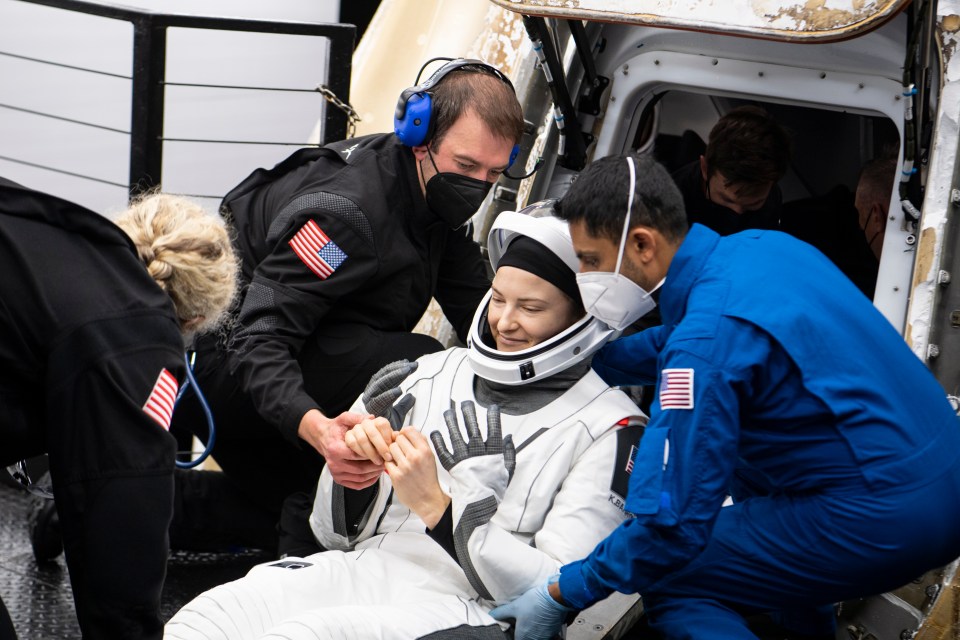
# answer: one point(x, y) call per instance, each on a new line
point(479, 471)
point(398, 412)
point(383, 389)
point(535, 614)
point(479, 474)
point(495, 444)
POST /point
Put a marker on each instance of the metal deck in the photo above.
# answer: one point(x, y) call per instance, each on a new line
point(40, 600)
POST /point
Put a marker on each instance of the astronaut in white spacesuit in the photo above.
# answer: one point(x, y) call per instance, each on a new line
point(535, 452)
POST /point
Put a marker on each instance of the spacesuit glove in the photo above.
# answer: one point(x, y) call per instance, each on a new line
point(398, 412)
point(383, 389)
point(535, 614)
point(477, 469)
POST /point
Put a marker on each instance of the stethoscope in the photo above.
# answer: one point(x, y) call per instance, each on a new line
point(21, 474)
point(189, 358)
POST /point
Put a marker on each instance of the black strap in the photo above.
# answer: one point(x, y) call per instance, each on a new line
point(7, 631)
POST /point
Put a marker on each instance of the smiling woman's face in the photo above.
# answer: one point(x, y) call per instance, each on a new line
point(525, 310)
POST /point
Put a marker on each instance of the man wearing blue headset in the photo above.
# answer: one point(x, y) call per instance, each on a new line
point(342, 249)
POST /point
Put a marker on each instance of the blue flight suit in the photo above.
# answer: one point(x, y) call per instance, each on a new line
point(781, 384)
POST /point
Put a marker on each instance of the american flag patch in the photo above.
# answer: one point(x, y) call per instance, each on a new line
point(317, 250)
point(159, 405)
point(676, 389)
point(630, 458)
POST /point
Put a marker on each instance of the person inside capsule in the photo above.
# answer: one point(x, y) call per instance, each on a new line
point(733, 185)
point(501, 461)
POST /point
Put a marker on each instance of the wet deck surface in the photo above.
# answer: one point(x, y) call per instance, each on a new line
point(40, 600)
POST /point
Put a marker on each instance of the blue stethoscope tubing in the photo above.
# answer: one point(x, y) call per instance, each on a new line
point(189, 359)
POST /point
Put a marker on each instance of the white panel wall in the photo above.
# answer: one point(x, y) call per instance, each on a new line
point(193, 56)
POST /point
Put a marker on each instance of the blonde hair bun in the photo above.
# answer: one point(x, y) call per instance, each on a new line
point(188, 253)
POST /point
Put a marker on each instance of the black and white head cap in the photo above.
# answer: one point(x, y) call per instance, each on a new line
point(572, 345)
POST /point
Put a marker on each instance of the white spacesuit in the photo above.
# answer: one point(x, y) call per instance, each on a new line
point(385, 575)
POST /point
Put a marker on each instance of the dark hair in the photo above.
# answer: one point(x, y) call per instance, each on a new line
point(599, 198)
point(748, 147)
point(876, 179)
point(474, 88)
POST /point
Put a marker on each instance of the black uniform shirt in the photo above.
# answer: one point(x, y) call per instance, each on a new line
point(85, 336)
point(717, 217)
point(332, 239)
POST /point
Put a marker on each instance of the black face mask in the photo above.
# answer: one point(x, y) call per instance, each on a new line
point(454, 198)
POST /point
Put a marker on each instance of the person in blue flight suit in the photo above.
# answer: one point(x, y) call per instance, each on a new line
point(778, 384)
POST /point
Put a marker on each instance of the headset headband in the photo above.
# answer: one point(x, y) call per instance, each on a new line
point(413, 121)
point(440, 74)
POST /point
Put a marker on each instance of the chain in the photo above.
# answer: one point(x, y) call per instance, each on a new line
point(352, 116)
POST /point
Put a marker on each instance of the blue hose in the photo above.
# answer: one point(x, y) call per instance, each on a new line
point(211, 438)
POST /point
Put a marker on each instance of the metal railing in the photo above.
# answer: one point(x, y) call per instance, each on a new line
point(148, 75)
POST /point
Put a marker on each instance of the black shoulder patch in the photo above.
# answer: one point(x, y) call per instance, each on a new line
point(628, 438)
point(344, 208)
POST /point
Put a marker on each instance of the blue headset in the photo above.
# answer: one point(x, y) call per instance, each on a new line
point(412, 120)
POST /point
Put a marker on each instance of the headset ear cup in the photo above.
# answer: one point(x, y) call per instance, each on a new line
point(413, 127)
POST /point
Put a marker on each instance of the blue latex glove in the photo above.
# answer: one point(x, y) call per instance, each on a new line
point(536, 615)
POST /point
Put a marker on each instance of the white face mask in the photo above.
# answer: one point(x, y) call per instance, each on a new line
point(613, 298)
